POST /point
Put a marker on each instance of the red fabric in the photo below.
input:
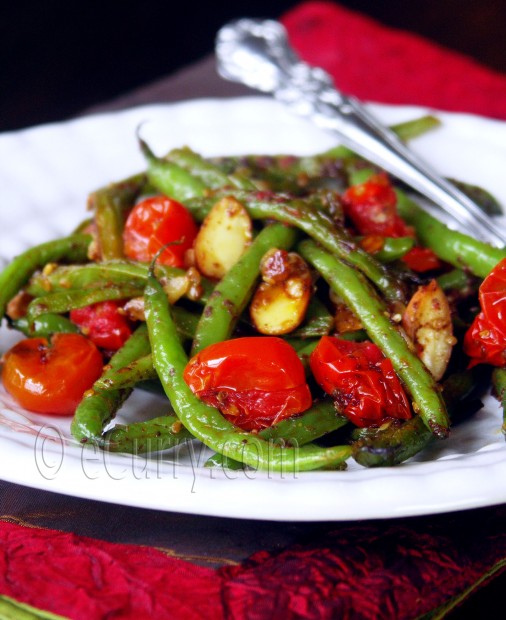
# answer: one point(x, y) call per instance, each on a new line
point(376, 63)
point(367, 572)
point(362, 572)
point(86, 579)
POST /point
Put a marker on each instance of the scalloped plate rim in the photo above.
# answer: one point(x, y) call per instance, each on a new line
point(183, 487)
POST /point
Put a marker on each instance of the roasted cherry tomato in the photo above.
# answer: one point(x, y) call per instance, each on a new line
point(421, 260)
point(51, 377)
point(254, 381)
point(360, 379)
point(104, 324)
point(372, 209)
point(155, 222)
point(485, 340)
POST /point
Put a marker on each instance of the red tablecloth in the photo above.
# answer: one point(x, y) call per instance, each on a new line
point(372, 572)
point(376, 63)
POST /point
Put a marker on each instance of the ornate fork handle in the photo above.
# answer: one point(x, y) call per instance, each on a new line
point(257, 54)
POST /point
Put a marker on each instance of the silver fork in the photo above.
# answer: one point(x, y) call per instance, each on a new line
point(257, 53)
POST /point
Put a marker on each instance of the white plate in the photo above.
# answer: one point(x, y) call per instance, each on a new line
point(45, 175)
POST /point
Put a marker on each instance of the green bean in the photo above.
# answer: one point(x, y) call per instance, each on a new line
point(485, 200)
point(138, 370)
point(304, 353)
point(360, 175)
point(318, 321)
point(100, 404)
point(373, 314)
point(206, 171)
point(303, 347)
point(460, 281)
point(111, 206)
point(220, 460)
point(91, 275)
point(299, 174)
point(359, 170)
point(299, 430)
point(385, 447)
point(319, 420)
point(94, 412)
point(145, 437)
point(106, 274)
point(12, 609)
point(186, 322)
point(171, 179)
point(45, 325)
point(399, 441)
point(456, 278)
point(305, 215)
point(394, 248)
point(461, 386)
point(499, 389)
point(408, 130)
point(454, 247)
point(480, 196)
point(286, 173)
point(134, 348)
point(206, 423)
point(64, 301)
point(357, 335)
point(200, 206)
point(276, 173)
point(301, 344)
point(18, 271)
point(345, 160)
point(141, 369)
point(233, 292)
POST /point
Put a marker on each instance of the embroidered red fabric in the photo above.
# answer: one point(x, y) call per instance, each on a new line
point(377, 63)
point(362, 572)
point(85, 579)
point(354, 572)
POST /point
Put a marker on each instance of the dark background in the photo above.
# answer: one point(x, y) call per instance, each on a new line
point(58, 58)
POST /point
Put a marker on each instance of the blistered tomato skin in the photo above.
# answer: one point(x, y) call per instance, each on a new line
point(421, 260)
point(372, 208)
point(255, 381)
point(51, 377)
point(104, 324)
point(485, 340)
point(155, 222)
point(361, 380)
